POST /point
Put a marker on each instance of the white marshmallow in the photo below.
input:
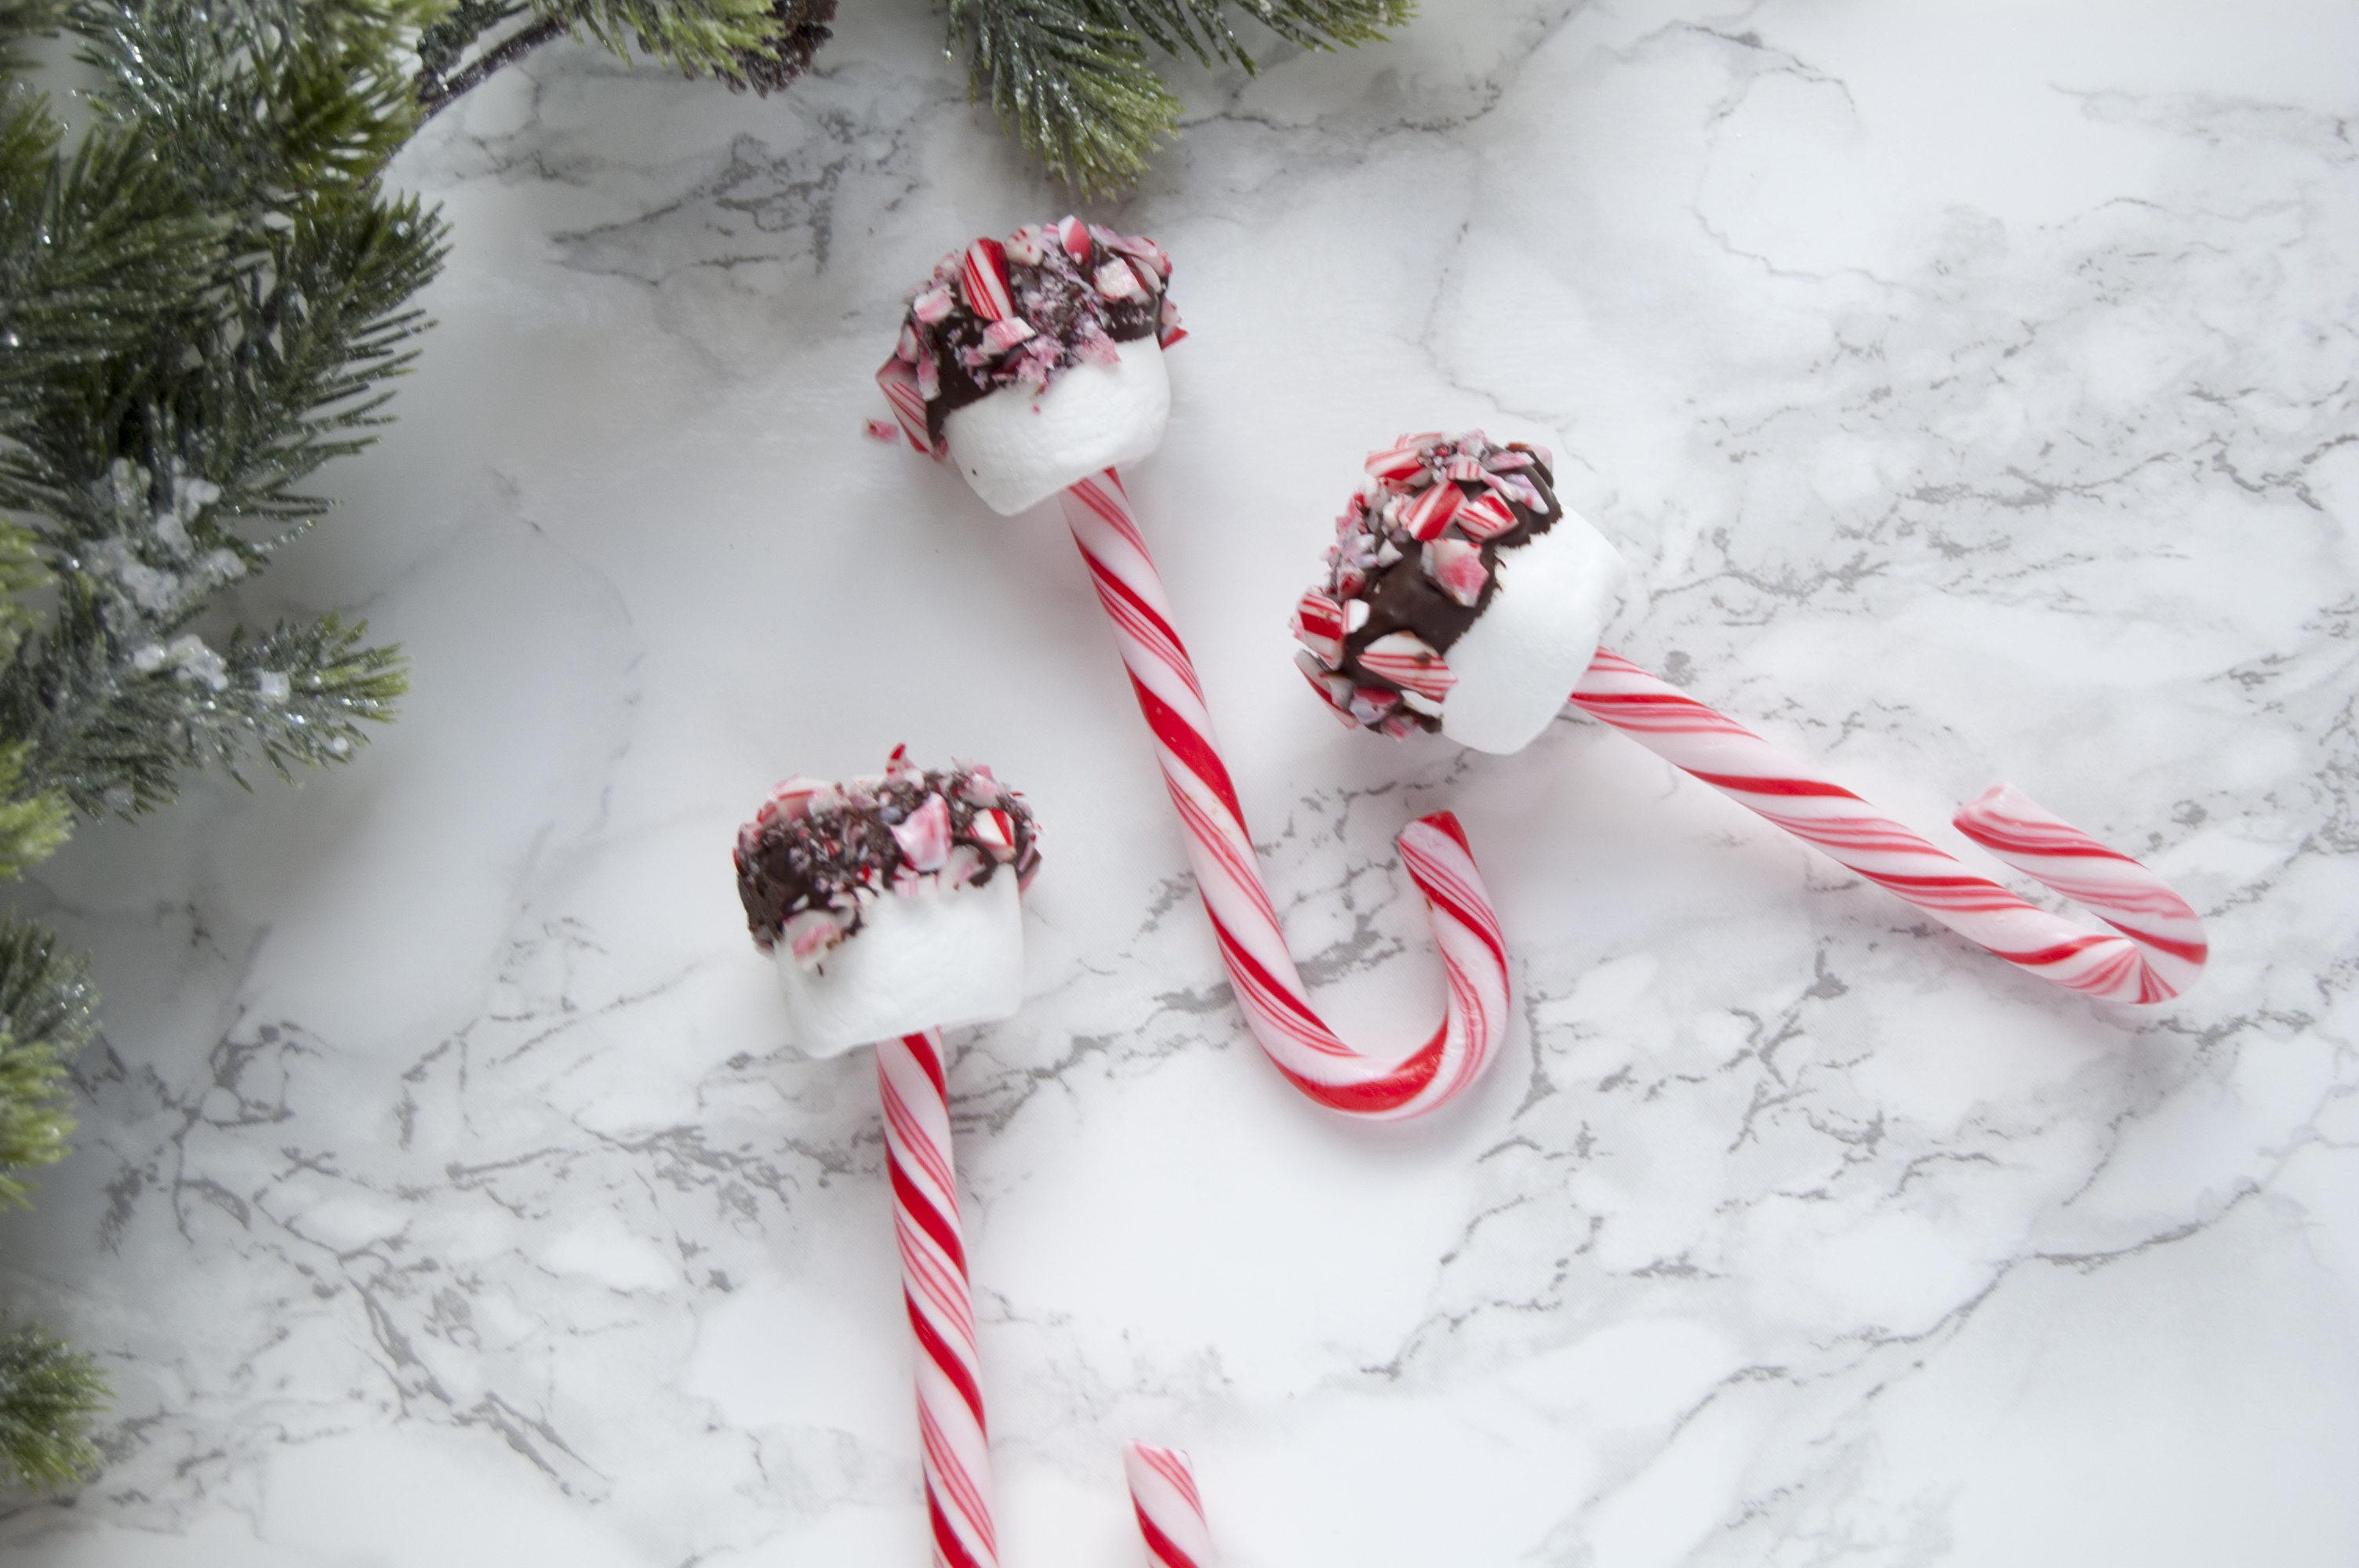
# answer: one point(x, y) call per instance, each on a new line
point(1522, 657)
point(1019, 448)
point(932, 959)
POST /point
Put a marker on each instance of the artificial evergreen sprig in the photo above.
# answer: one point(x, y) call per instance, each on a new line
point(49, 1393)
point(202, 301)
point(1072, 78)
point(244, 286)
point(47, 1010)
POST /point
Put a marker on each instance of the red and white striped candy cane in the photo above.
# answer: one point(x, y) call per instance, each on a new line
point(957, 1448)
point(1170, 1514)
point(2161, 947)
point(955, 1441)
point(1433, 848)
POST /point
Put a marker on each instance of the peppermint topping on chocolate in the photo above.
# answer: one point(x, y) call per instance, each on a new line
point(816, 852)
point(1415, 562)
point(1015, 312)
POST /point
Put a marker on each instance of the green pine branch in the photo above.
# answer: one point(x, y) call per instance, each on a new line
point(205, 304)
point(1073, 81)
point(49, 1393)
point(45, 1018)
point(1073, 85)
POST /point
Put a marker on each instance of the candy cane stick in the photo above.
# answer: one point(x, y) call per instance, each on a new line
point(2161, 947)
point(956, 1443)
point(1170, 1514)
point(1275, 1003)
point(957, 1449)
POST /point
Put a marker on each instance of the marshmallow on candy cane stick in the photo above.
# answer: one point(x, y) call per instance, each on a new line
point(1415, 616)
point(1001, 340)
point(1037, 361)
point(890, 904)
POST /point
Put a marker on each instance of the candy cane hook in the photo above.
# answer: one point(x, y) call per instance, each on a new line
point(1277, 1005)
point(2161, 947)
point(934, 1286)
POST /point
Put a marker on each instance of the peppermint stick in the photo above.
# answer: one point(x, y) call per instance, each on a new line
point(951, 1427)
point(1170, 1514)
point(2161, 947)
point(1269, 988)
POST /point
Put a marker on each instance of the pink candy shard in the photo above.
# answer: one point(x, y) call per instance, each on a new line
point(881, 430)
point(1116, 280)
point(983, 279)
point(1141, 248)
point(925, 835)
point(931, 306)
point(1457, 568)
point(1319, 625)
point(1370, 704)
point(1484, 517)
point(1074, 235)
point(899, 381)
point(1396, 464)
point(1027, 245)
point(809, 935)
point(1407, 660)
point(1001, 336)
point(1434, 511)
point(1168, 329)
point(790, 801)
point(996, 830)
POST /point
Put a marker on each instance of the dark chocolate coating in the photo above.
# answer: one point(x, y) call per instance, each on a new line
point(826, 860)
point(1057, 298)
point(1401, 598)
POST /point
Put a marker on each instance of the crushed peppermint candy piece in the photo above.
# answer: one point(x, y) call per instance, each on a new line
point(1456, 567)
point(881, 430)
point(983, 280)
point(1118, 280)
point(1434, 511)
point(1407, 661)
point(1484, 516)
point(1001, 336)
point(1319, 625)
point(925, 834)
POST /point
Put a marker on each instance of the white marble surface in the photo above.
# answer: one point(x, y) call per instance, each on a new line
point(1972, 389)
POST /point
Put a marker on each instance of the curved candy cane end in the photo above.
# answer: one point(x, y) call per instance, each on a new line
point(2125, 894)
point(1444, 822)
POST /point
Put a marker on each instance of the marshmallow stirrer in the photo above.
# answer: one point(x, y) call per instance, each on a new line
point(1024, 364)
point(877, 897)
point(1457, 575)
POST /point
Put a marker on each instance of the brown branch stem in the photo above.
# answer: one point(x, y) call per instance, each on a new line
point(436, 94)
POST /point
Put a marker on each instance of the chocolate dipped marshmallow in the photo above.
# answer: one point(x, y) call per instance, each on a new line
point(1036, 361)
point(1459, 595)
point(891, 902)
